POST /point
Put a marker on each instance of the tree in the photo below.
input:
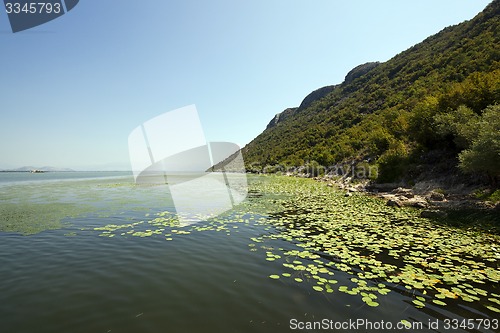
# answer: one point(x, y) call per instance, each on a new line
point(484, 153)
point(460, 124)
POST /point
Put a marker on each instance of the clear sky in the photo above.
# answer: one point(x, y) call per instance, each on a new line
point(73, 89)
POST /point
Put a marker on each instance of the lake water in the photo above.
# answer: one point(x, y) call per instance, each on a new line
point(94, 252)
point(7, 178)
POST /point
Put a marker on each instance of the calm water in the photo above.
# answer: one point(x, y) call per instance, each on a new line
point(25, 177)
point(213, 278)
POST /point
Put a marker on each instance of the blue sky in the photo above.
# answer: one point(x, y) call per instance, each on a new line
point(73, 89)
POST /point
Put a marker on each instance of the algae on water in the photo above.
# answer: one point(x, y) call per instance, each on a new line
point(31, 208)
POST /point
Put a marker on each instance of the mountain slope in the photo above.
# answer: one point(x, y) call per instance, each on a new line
point(384, 112)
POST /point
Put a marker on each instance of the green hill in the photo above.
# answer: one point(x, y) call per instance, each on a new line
point(432, 104)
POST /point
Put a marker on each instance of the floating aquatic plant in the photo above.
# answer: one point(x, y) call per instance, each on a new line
point(383, 249)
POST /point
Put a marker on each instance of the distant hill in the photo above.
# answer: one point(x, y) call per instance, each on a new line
point(421, 108)
point(44, 168)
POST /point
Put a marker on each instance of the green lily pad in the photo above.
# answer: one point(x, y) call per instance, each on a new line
point(492, 308)
point(406, 323)
point(494, 300)
point(438, 302)
point(418, 303)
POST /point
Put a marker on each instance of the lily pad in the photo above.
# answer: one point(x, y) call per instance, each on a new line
point(438, 302)
point(492, 308)
point(418, 303)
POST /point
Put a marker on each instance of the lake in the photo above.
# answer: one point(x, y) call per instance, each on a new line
point(93, 252)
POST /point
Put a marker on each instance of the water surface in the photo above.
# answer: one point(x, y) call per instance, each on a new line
point(117, 261)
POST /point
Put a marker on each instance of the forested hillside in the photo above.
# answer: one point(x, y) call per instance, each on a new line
point(434, 102)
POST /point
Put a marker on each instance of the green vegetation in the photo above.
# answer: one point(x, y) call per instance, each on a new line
point(483, 152)
point(438, 97)
point(313, 236)
point(487, 194)
point(32, 208)
point(32, 218)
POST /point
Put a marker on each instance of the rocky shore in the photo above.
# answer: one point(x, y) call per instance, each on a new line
point(433, 201)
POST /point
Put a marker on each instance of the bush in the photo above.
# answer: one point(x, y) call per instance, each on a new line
point(421, 121)
point(314, 169)
point(477, 91)
point(484, 153)
point(488, 195)
point(460, 124)
point(393, 163)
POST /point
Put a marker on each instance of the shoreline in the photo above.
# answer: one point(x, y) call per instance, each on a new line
point(428, 196)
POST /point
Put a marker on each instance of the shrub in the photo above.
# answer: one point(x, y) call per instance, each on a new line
point(393, 163)
point(460, 124)
point(484, 153)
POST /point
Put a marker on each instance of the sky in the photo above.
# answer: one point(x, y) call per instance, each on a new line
point(73, 89)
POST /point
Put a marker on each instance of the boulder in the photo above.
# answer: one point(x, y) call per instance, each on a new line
point(433, 214)
point(417, 203)
point(436, 196)
point(393, 203)
point(404, 192)
point(383, 187)
point(401, 198)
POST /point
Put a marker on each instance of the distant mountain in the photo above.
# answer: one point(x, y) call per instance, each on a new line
point(44, 168)
point(400, 114)
point(53, 169)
